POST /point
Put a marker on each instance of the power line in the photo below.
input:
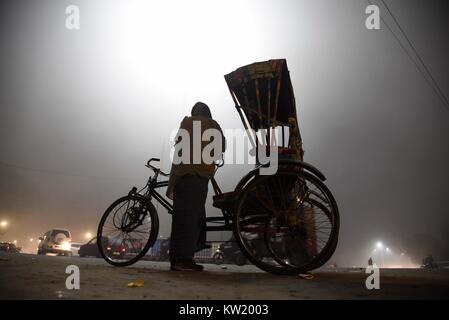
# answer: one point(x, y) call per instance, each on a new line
point(405, 50)
point(435, 85)
point(411, 58)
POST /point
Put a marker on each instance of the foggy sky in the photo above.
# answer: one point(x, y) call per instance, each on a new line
point(83, 110)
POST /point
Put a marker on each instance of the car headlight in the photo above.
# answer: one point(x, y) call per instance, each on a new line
point(66, 246)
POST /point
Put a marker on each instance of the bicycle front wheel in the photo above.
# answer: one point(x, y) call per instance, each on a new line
point(127, 230)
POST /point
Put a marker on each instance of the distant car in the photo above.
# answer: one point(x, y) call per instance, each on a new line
point(57, 241)
point(229, 252)
point(165, 249)
point(9, 247)
point(429, 263)
point(90, 249)
point(116, 250)
point(74, 248)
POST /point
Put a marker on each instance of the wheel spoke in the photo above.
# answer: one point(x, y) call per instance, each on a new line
point(128, 226)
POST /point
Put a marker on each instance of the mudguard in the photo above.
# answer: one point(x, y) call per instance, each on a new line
point(284, 165)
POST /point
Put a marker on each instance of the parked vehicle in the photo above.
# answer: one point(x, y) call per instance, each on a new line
point(429, 263)
point(116, 250)
point(74, 248)
point(90, 249)
point(9, 247)
point(165, 249)
point(229, 252)
point(57, 241)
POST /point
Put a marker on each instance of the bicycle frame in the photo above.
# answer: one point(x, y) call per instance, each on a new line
point(153, 184)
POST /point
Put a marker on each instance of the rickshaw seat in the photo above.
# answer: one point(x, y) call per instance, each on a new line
point(225, 200)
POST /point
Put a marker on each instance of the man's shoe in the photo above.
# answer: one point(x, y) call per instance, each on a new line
point(186, 265)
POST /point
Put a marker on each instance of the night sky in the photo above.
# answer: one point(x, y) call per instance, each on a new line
point(81, 111)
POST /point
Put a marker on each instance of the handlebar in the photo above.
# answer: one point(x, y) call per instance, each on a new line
point(148, 165)
point(219, 163)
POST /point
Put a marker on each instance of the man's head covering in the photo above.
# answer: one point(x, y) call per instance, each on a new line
point(201, 109)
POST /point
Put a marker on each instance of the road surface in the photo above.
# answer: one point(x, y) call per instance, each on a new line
point(26, 276)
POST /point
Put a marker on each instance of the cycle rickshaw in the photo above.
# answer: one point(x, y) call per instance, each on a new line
point(284, 223)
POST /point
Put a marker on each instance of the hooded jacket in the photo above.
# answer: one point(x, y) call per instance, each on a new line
point(201, 113)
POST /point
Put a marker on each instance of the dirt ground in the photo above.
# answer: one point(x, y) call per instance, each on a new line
point(25, 276)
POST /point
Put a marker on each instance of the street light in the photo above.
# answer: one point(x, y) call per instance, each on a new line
point(88, 235)
point(31, 239)
point(3, 227)
point(380, 246)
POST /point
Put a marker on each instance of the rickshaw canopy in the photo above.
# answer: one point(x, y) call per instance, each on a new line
point(264, 92)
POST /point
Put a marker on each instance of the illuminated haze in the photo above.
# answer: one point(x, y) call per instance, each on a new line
point(83, 110)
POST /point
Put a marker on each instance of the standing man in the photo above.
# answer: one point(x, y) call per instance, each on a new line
point(188, 185)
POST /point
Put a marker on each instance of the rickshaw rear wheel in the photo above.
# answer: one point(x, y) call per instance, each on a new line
point(327, 251)
point(287, 223)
